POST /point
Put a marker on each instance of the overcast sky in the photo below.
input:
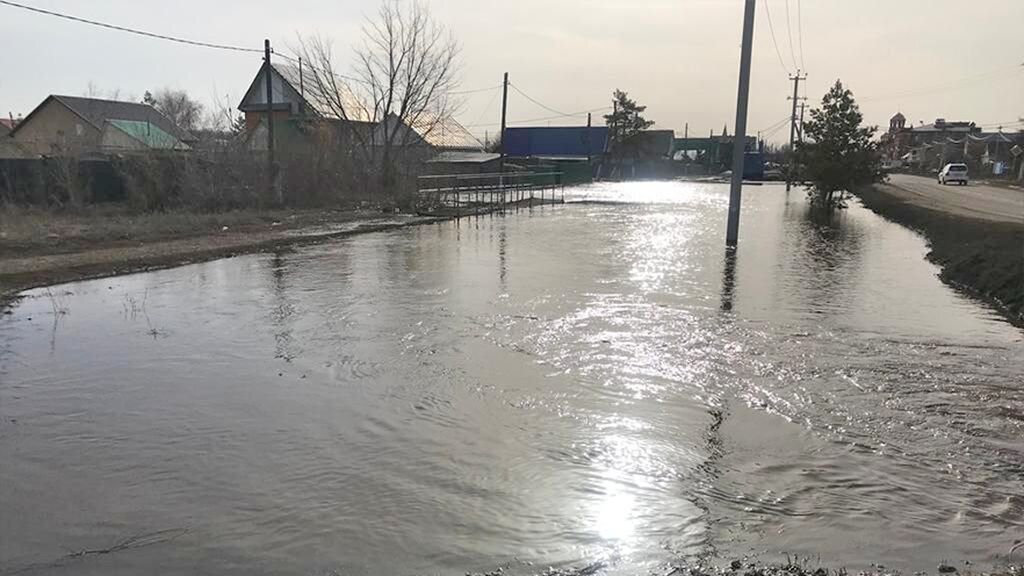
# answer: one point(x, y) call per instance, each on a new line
point(954, 59)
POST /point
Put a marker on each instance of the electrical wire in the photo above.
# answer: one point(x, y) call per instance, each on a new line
point(789, 32)
point(538, 103)
point(475, 90)
point(306, 64)
point(771, 28)
point(781, 122)
point(485, 110)
point(132, 30)
point(294, 59)
point(800, 31)
point(946, 86)
point(544, 119)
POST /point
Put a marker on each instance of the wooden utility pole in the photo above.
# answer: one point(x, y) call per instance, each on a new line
point(800, 125)
point(588, 140)
point(271, 165)
point(504, 110)
point(740, 139)
point(792, 126)
point(302, 89)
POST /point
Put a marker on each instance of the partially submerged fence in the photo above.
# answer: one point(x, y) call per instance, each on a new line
point(469, 194)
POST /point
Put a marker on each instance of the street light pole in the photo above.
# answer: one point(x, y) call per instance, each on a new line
point(740, 139)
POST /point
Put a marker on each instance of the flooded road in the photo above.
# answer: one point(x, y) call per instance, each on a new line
point(593, 381)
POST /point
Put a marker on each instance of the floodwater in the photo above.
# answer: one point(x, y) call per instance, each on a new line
point(588, 382)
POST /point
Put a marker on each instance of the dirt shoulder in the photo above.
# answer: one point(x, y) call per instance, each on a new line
point(981, 256)
point(38, 249)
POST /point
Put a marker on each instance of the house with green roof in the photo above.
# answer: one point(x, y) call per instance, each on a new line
point(83, 126)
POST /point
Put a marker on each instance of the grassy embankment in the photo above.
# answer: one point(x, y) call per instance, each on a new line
point(983, 258)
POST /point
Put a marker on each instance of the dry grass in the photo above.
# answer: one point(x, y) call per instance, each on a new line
point(42, 230)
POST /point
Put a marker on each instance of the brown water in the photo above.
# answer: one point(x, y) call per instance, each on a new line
point(594, 381)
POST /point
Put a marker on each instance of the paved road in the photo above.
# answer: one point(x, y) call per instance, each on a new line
point(974, 200)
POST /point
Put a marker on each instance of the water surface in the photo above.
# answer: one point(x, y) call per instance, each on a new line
point(593, 381)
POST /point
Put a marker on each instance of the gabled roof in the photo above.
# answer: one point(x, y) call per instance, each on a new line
point(317, 100)
point(6, 125)
point(98, 112)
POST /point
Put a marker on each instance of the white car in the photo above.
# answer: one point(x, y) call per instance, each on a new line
point(953, 173)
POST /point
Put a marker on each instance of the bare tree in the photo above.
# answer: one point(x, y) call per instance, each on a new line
point(178, 106)
point(406, 70)
point(92, 90)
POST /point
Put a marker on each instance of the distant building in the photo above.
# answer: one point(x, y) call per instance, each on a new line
point(928, 146)
point(651, 144)
point(76, 125)
point(573, 151)
point(903, 144)
point(556, 142)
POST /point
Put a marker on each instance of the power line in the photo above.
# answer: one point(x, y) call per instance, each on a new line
point(538, 103)
point(131, 30)
point(486, 109)
point(781, 122)
point(305, 63)
point(771, 28)
point(800, 30)
point(789, 32)
point(527, 121)
point(475, 90)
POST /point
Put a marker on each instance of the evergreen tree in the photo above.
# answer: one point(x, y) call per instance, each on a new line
point(626, 120)
point(838, 155)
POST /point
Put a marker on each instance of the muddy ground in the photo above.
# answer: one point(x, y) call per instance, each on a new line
point(94, 246)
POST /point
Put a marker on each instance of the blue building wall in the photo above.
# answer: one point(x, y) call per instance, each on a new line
point(556, 141)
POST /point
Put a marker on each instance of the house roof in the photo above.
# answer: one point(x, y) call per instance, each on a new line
point(556, 141)
point(459, 157)
point(98, 112)
point(446, 132)
point(324, 99)
point(149, 134)
point(6, 125)
point(946, 127)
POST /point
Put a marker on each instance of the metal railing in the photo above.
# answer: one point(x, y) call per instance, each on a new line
point(471, 194)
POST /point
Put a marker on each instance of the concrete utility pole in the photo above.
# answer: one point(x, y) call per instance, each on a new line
point(740, 139)
point(792, 125)
point(271, 165)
